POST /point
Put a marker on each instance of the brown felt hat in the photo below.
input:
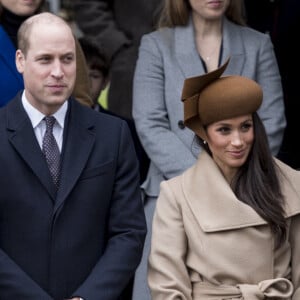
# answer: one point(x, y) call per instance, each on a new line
point(210, 98)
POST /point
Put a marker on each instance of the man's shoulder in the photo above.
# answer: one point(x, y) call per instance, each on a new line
point(100, 120)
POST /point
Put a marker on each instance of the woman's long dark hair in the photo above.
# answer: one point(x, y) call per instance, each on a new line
point(257, 182)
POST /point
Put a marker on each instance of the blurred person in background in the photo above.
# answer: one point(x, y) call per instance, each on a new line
point(116, 27)
point(98, 72)
point(12, 15)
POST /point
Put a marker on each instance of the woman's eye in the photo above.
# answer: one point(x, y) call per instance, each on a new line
point(224, 130)
point(246, 127)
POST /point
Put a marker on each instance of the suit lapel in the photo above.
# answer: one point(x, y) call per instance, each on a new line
point(78, 143)
point(22, 138)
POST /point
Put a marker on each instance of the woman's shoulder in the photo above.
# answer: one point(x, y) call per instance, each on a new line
point(161, 35)
point(246, 31)
point(159, 42)
point(290, 181)
point(289, 173)
point(285, 168)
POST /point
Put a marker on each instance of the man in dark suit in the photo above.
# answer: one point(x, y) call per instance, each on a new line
point(80, 237)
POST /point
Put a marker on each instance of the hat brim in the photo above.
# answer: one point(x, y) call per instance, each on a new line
point(190, 97)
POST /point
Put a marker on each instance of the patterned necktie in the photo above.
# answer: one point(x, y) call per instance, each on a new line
point(51, 150)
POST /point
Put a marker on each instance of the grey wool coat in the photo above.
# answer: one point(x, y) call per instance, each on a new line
point(206, 244)
point(166, 58)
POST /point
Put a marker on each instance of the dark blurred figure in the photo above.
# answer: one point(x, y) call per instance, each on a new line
point(116, 27)
point(12, 14)
point(281, 18)
point(97, 68)
point(98, 73)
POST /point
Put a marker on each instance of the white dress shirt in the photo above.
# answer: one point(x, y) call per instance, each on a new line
point(39, 125)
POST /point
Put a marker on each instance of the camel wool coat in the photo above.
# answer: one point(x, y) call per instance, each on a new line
point(206, 244)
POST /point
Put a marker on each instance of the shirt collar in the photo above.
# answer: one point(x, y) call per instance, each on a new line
point(36, 116)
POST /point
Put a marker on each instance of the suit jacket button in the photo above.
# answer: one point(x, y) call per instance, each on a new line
point(181, 124)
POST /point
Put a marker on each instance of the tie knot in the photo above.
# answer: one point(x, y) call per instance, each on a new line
point(50, 120)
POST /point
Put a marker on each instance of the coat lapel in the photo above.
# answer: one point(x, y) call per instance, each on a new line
point(78, 143)
point(22, 138)
point(188, 57)
point(185, 51)
point(233, 47)
point(212, 201)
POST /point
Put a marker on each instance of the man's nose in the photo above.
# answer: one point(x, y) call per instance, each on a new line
point(57, 70)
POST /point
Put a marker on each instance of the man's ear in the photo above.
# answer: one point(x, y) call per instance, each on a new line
point(20, 61)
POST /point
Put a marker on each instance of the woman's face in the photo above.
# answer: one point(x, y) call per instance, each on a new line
point(230, 142)
point(21, 7)
point(209, 9)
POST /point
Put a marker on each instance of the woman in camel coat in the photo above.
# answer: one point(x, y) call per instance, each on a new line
point(228, 227)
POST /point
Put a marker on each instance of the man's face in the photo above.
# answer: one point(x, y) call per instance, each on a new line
point(49, 66)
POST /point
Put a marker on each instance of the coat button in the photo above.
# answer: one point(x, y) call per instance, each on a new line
point(181, 124)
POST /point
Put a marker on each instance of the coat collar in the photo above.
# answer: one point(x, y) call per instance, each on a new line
point(188, 56)
point(290, 180)
point(22, 138)
point(215, 206)
point(77, 145)
point(79, 138)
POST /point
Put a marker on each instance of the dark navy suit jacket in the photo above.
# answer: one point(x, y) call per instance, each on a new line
point(87, 239)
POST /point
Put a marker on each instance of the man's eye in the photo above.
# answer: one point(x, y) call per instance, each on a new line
point(44, 59)
point(68, 59)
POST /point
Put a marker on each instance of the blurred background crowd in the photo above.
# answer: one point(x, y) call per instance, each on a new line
point(281, 20)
